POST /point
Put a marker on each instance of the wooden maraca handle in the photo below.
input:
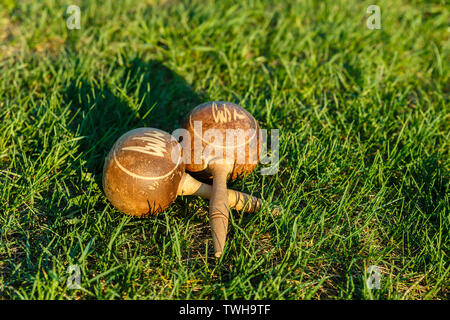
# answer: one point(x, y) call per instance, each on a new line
point(236, 200)
point(209, 123)
point(218, 207)
point(221, 199)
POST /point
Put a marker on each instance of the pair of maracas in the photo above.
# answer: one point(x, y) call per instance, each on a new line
point(145, 170)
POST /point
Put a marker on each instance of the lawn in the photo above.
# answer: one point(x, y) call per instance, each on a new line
point(363, 120)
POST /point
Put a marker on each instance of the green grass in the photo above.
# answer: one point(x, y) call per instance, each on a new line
point(364, 147)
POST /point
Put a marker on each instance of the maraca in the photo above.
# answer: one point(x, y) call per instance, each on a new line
point(213, 153)
point(144, 173)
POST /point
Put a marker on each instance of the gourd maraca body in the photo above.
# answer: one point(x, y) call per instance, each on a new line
point(226, 118)
point(225, 142)
point(144, 172)
point(140, 177)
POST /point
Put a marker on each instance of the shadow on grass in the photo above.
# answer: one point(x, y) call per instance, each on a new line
point(160, 98)
point(142, 94)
